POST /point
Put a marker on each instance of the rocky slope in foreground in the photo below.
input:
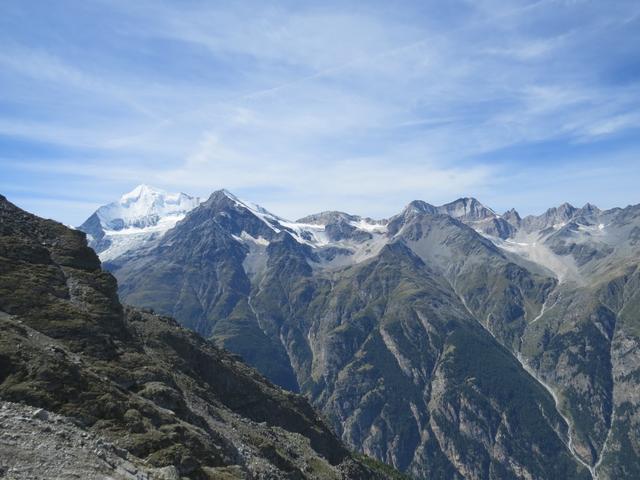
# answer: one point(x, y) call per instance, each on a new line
point(122, 393)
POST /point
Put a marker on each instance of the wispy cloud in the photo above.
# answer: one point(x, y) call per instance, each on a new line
point(305, 107)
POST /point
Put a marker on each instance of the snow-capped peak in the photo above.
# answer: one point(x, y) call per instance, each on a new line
point(144, 206)
point(254, 207)
point(262, 213)
point(142, 191)
point(139, 217)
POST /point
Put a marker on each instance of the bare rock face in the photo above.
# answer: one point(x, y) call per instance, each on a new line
point(113, 392)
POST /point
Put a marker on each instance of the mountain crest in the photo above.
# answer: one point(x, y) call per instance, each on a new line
point(327, 217)
point(143, 214)
point(560, 214)
point(467, 208)
point(589, 209)
point(142, 190)
point(419, 206)
point(513, 217)
point(142, 207)
point(226, 196)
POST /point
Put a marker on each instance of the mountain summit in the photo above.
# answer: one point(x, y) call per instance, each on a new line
point(143, 207)
point(142, 215)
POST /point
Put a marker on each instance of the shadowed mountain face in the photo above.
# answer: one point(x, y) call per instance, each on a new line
point(451, 342)
point(134, 394)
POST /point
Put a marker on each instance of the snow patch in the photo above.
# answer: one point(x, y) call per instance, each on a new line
point(369, 226)
point(245, 237)
point(530, 248)
point(310, 234)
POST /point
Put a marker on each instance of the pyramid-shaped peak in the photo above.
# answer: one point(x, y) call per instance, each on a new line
point(467, 208)
point(221, 195)
point(419, 206)
point(224, 198)
point(590, 208)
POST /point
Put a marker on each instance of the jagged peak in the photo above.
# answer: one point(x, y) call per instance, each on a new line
point(512, 213)
point(562, 209)
point(566, 207)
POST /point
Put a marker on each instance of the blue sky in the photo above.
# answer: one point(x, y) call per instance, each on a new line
point(309, 106)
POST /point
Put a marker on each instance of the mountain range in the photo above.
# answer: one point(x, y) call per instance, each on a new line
point(448, 341)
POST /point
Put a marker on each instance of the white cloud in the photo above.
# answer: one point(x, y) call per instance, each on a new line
point(614, 124)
